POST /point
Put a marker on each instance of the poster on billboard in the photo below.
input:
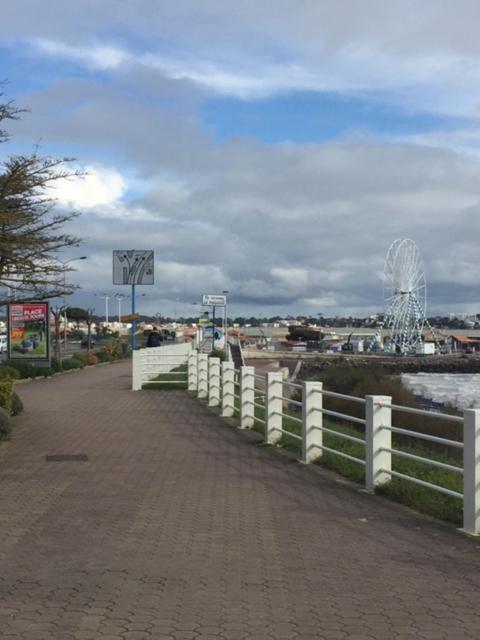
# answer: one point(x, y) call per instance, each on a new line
point(28, 331)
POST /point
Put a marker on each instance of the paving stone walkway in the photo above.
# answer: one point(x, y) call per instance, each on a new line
point(179, 527)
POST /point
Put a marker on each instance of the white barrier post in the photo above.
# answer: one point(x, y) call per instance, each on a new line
point(312, 421)
point(377, 461)
point(273, 407)
point(136, 370)
point(192, 371)
point(214, 382)
point(471, 471)
point(247, 397)
point(202, 389)
point(228, 389)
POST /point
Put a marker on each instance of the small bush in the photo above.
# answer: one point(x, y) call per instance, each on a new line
point(91, 358)
point(25, 369)
point(5, 425)
point(68, 365)
point(218, 353)
point(56, 365)
point(6, 392)
point(80, 357)
point(6, 371)
point(46, 372)
point(104, 355)
point(17, 404)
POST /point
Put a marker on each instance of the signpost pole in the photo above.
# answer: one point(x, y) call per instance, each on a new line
point(213, 328)
point(134, 322)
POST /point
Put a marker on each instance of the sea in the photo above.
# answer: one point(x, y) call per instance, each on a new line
point(461, 390)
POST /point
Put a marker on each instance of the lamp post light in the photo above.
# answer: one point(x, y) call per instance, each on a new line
point(106, 297)
point(65, 322)
point(120, 297)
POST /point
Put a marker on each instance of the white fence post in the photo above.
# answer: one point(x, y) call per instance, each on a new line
point(228, 389)
point(202, 372)
point(136, 371)
point(273, 407)
point(247, 397)
point(312, 421)
point(192, 371)
point(214, 382)
point(471, 471)
point(377, 461)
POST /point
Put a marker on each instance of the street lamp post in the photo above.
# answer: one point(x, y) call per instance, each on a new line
point(120, 297)
point(64, 263)
point(106, 297)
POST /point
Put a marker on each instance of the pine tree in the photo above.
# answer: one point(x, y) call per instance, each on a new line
point(31, 225)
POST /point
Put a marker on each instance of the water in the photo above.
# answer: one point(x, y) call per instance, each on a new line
point(462, 390)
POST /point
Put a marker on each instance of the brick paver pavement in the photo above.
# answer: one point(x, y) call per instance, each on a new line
point(179, 527)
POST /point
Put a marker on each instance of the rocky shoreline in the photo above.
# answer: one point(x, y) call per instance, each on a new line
point(398, 364)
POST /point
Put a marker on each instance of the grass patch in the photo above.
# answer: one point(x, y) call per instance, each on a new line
point(174, 379)
point(420, 498)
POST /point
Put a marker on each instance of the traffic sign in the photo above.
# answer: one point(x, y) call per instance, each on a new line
point(132, 267)
point(214, 300)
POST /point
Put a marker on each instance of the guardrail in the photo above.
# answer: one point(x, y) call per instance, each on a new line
point(148, 363)
point(242, 391)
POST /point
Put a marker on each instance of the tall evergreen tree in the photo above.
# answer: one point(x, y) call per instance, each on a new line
point(31, 226)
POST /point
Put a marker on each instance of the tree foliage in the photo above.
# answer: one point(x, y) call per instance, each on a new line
point(31, 226)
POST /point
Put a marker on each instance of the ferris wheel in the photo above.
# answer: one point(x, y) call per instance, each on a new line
point(405, 296)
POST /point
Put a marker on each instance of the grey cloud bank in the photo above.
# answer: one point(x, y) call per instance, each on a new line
point(284, 227)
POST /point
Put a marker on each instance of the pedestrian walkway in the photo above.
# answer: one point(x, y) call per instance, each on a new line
point(180, 527)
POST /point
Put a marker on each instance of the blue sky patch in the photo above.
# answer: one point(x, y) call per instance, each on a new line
point(306, 117)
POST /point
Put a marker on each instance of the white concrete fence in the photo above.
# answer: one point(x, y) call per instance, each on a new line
point(149, 363)
point(240, 392)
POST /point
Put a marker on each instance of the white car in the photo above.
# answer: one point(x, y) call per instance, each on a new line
point(3, 343)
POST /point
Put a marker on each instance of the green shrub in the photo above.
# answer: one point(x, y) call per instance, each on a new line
point(17, 404)
point(56, 365)
point(5, 425)
point(6, 392)
point(80, 357)
point(25, 369)
point(46, 372)
point(218, 353)
point(68, 365)
point(104, 355)
point(7, 371)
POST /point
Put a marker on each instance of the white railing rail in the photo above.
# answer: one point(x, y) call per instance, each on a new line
point(265, 400)
point(148, 363)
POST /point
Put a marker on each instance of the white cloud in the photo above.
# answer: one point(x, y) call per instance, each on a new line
point(100, 186)
point(95, 57)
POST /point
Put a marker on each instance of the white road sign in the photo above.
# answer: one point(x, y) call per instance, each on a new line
point(132, 267)
point(214, 300)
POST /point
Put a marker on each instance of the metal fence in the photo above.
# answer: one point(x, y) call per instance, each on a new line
point(266, 401)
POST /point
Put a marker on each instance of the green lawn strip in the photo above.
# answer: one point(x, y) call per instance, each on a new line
point(420, 498)
point(174, 379)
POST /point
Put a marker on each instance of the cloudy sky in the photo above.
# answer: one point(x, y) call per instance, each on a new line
point(270, 148)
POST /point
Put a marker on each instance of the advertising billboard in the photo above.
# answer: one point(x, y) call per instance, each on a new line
point(28, 331)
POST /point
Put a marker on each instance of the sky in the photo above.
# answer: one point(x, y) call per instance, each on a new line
point(271, 149)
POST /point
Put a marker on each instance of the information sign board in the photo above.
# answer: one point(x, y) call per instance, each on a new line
point(28, 331)
point(132, 267)
point(130, 317)
point(214, 300)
